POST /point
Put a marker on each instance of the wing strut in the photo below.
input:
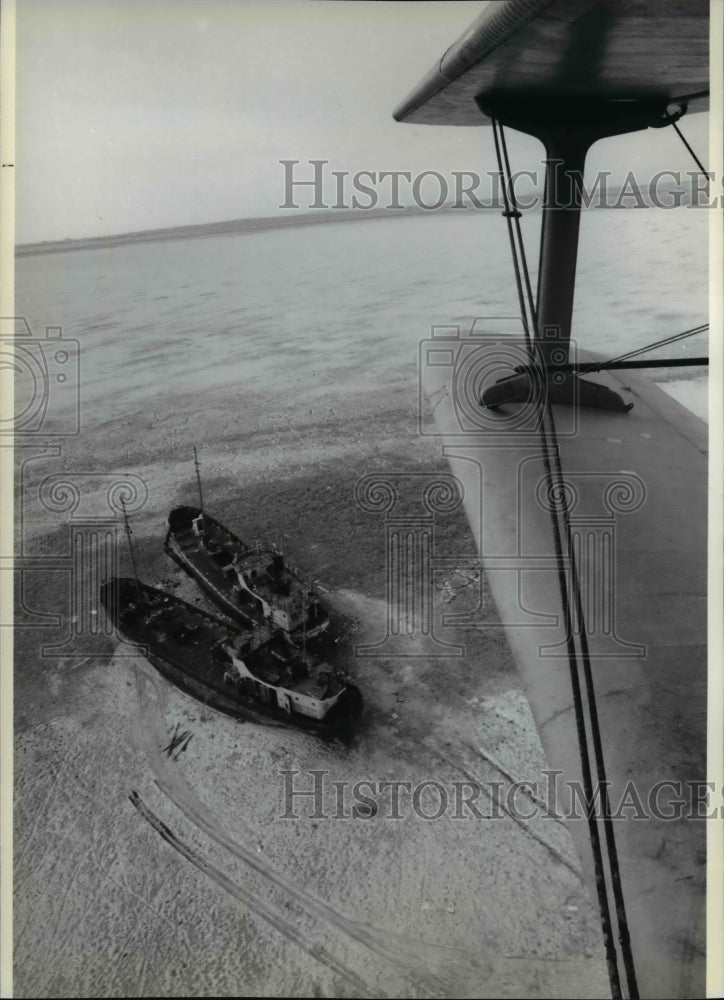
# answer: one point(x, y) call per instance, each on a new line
point(581, 676)
point(567, 129)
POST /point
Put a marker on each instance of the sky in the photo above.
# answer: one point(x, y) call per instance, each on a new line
point(141, 115)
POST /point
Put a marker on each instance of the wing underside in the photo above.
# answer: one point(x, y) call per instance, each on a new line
point(619, 50)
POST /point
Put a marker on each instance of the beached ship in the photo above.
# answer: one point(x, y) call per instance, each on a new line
point(244, 582)
point(255, 672)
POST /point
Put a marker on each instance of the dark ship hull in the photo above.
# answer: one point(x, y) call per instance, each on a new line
point(186, 645)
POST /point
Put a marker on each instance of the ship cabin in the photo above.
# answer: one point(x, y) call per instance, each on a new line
point(276, 673)
point(258, 583)
point(252, 585)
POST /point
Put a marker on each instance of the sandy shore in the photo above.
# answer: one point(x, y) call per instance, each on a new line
point(142, 874)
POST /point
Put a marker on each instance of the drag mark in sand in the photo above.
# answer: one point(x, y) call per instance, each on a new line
point(484, 755)
point(312, 948)
point(151, 735)
point(99, 844)
point(561, 858)
point(355, 857)
point(41, 813)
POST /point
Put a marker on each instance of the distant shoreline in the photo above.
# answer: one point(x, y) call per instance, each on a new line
point(313, 217)
point(230, 228)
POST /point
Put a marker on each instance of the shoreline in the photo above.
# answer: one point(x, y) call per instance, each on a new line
point(232, 227)
point(229, 228)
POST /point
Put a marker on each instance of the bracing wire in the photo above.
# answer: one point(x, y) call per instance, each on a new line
point(595, 367)
point(606, 923)
point(550, 450)
point(698, 162)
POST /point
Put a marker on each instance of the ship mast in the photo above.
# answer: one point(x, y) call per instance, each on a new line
point(198, 482)
point(130, 549)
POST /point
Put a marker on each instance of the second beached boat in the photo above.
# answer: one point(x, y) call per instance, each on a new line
point(243, 581)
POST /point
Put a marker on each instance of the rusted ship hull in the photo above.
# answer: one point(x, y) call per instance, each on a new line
point(193, 667)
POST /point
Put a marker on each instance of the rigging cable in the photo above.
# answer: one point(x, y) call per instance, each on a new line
point(624, 936)
point(700, 165)
point(606, 923)
point(643, 350)
point(597, 366)
point(557, 489)
point(508, 213)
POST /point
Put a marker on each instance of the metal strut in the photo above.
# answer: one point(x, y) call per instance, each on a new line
point(581, 676)
point(580, 367)
point(567, 129)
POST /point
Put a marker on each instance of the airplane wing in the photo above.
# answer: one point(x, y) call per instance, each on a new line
point(599, 574)
point(616, 49)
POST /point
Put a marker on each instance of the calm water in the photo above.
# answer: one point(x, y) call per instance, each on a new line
point(292, 310)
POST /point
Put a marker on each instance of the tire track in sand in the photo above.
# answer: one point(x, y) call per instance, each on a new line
point(150, 734)
point(317, 951)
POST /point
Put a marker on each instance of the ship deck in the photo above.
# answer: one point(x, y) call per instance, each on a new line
point(284, 589)
point(277, 663)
